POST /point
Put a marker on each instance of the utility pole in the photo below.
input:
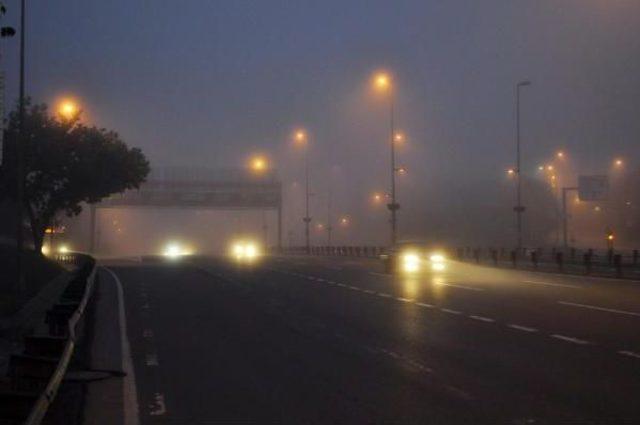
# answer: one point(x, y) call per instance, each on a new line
point(519, 208)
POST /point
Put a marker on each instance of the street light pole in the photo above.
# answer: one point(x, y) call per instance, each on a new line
point(519, 208)
point(565, 216)
point(306, 219)
point(20, 159)
point(393, 172)
point(329, 207)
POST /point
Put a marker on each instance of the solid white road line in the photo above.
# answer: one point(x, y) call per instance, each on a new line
point(131, 407)
point(570, 339)
point(593, 307)
point(481, 318)
point(629, 354)
point(562, 285)
point(523, 328)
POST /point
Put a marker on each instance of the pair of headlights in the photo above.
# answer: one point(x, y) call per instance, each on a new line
point(412, 262)
point(245, 250)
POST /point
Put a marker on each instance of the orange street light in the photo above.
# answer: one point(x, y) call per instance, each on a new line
point(398, 138)
point(382, 81)
point(68, 109)
point(618, 162)
point(560, 154)
point(511, 172)
point(344, 221)
point(258, 164)
point(300, 137)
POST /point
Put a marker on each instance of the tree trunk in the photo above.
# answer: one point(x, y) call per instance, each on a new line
point(37, 229)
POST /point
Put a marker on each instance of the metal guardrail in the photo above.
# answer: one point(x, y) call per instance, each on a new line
point(46, 398)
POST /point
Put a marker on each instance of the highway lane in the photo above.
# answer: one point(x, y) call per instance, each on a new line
point(319, 340)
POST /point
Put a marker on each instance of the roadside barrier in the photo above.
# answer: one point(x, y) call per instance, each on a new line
point(572, 260)
point(36, 374)
point(623, 264)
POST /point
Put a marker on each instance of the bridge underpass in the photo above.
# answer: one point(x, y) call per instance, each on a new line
point(197, 188)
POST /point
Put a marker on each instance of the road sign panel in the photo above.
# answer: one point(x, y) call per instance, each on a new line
point(593, 188)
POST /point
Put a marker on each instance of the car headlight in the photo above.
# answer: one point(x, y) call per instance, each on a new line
point(437, 258)
point(410, 262)
point(251, 251)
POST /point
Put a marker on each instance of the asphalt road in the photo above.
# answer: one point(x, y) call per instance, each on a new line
point(332, 340)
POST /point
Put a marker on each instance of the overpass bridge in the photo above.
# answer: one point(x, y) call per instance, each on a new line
point(198, 188)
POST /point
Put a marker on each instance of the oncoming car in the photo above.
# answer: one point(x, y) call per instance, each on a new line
point(413, 257)
point(244, 250)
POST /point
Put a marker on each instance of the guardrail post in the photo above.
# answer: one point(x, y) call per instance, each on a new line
point(494, 256)
point(534, 259)
point(476, 255)
point(617, 262)
point(560, 260)
point(514, 258)
point(587, 261)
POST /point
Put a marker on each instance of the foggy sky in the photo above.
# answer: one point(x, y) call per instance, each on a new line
point(209, 82)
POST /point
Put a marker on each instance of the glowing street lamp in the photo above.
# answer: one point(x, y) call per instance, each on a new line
point(68, 109)
point(618, 162)
point(398, 138)
point(344, 221)
point(258, 164)
point(560, 154)
point(382, 81)
point(511, 172)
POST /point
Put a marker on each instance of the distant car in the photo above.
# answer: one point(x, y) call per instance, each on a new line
point(412, 257)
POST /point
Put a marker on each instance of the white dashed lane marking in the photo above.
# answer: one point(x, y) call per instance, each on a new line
point(448, 310)
point(151, 359)
point(405, 300)
point(468, 288)
point(425, 305)
point(378, 274)
point(481, 318)
point(629, 354)
point(158, 407)
point(523, 328)
point(594, 307)
point(570, 339)
point(561, 285)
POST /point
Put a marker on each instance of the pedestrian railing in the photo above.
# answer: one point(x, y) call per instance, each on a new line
point(341, 251)
point(610, 262)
